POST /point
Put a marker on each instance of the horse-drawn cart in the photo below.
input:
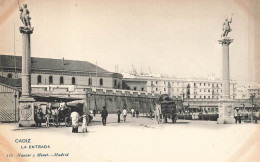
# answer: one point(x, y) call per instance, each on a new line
point(166, 108)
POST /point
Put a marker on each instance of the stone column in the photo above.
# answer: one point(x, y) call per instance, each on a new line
point(26, 102)
point(226, 111)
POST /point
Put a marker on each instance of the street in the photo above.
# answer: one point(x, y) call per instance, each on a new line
point(139, 139)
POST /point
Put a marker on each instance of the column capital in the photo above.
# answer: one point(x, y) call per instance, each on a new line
point(26, 30)
point(225, 41)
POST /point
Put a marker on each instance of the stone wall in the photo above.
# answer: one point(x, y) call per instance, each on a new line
point(120, 99)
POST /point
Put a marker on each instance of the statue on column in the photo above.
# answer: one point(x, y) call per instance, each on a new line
point(26, 19)
point(24, 15)
point(226, 26)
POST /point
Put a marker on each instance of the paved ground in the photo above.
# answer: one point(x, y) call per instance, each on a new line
point(139, 139)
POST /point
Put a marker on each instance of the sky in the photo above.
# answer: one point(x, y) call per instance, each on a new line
point(172, 37)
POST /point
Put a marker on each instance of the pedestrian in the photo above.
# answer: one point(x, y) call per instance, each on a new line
point(118, 115)
point(256, 116)
point(75, 121)
point(236, 115)
point(133, 112)
point(104, 115)
point(94, 112)
point(151, 113)
point(239, 114)
point(137, 113)
point(39, 115)
point(124, 114)
point(84, 124)
point(55, 113)
point(48, 115)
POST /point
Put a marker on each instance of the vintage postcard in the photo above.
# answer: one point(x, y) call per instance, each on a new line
point(129, 80)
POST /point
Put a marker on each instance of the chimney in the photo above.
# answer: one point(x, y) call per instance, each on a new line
point(63, 61)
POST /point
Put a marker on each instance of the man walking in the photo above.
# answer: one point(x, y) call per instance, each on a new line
point(133, 112)
point(236, 115)
point(137, 113)
point(118, 115)
point(256, 116)
point(104, 115)
point(124, 114)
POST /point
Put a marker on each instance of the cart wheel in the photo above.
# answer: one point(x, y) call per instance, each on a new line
point(173, 119)
point(68, 122)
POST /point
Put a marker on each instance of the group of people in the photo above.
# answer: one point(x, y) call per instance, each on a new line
point(104, 115)
point(238, 115)
point(75, 118)
point(39, 115)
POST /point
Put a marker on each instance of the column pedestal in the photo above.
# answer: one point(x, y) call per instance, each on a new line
point(226, 112)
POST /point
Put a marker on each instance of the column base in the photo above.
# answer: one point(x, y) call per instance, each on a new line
point(26, 123)
point(226, 120)
point(226, 112)
point(26, 110)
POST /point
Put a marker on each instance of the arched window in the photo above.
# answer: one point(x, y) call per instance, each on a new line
point(101, 82)
point(135, 88)
point(115, 83)
point(61, 80)
point(90, 81)
point(39, 79)
point(50, 80)
point(9, 75)
point(73, 81)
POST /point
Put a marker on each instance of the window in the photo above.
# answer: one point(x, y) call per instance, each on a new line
point(194, 84)
point(194, 96)
point(200, 90)
point(61, 80)
point(204, 84)
point(90, 81)
point(73, 81)
point(156, 82)
point(204, 90)
point(142, 88)
point(156, 89)
point(50, 80)
point(39, 79)
point(9, 75)
point(200, 96)
point(209, 84)
point(115, 83)
point(135, 88)
point(209, 90)
point(101, 82)
point(204, 96)
point(208, 96)
point(164, 89)
point(200, 84)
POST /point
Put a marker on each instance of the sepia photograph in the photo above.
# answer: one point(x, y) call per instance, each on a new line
point(129, 81)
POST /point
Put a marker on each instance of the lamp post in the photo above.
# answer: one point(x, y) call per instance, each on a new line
point(252, 96)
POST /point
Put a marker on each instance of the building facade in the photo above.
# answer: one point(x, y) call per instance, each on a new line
point(60, 72)
point(187, 88)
